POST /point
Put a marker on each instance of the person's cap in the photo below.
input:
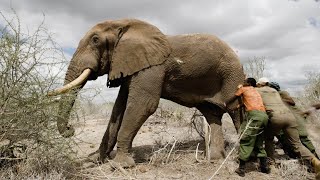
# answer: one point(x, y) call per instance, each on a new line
point(274, 85)
point(263, 81)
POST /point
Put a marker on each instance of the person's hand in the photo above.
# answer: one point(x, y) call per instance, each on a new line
point(269, 110)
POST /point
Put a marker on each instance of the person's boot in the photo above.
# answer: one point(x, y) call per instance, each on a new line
point(240, 171)
point(264, 166)
point(316, 165)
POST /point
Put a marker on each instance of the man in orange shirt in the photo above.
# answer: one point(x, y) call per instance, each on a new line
point(252, 127)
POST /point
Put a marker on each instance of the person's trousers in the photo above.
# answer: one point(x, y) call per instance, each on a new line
point(287, 123)
point(252, 135)
point(288, 148)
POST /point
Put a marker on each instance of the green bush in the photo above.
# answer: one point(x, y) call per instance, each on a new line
point(29, 64)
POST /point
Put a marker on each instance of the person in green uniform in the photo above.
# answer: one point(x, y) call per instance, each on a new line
point(297, 112)
point(252, 129)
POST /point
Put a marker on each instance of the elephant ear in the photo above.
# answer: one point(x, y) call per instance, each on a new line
point(140, 45)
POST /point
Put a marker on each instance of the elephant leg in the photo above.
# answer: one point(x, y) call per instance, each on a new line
point(213, 117)
point(143, 99)
point(237, 118)
point(110, 136)
point(229, 87)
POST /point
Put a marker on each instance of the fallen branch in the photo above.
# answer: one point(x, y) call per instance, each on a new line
point(207, 138)
point(157, 152)
point(173, 145)
point(116, 165)
point(197, 154)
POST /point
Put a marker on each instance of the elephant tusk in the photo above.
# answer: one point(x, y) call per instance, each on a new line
point(82, 78)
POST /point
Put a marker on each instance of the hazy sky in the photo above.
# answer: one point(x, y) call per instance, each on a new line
point(285, 32)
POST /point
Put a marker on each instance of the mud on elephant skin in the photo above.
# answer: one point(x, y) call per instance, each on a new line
point(195, 70)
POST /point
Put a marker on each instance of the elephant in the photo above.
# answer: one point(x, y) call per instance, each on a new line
point(193, 70)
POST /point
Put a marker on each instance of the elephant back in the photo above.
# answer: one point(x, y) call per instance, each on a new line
point(204, 67)
point(195, 52)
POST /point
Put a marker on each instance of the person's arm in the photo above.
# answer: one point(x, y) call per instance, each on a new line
point(285, 96)
point(237, 95)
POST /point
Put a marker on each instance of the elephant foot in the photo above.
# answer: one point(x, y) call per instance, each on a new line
point(94, 157)
point(123, 159)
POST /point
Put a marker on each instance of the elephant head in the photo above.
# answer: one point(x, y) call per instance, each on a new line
point(118, 48)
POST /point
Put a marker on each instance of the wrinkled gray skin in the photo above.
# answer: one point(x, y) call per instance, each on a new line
point(193, 70)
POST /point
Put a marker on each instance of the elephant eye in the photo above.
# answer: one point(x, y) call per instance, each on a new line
point(95, 40)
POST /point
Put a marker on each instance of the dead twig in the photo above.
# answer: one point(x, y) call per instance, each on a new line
point(207, 138)
point(197, 154)
point(173, 145)
point(117, 166)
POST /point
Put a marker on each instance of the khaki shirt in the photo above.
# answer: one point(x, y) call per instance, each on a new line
point(272, 100)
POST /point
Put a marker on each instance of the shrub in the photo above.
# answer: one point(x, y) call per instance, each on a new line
point(29, 64)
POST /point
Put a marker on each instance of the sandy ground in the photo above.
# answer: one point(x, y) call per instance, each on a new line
point(164, 133)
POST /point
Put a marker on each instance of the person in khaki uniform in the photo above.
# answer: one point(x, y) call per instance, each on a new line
point(303, 133)
point(281, 118)
point(252, 127)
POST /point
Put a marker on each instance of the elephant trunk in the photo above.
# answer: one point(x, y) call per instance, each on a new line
point(67, 100)
point(65, 106)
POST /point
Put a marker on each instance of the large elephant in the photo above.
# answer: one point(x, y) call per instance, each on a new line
point(193, 70)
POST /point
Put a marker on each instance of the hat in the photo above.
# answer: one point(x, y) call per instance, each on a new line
point(274, 85)
point(263, 81)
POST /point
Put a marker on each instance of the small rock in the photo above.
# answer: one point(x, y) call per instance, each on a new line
point(143, 169)
point(178, 176)
point(4, 142)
